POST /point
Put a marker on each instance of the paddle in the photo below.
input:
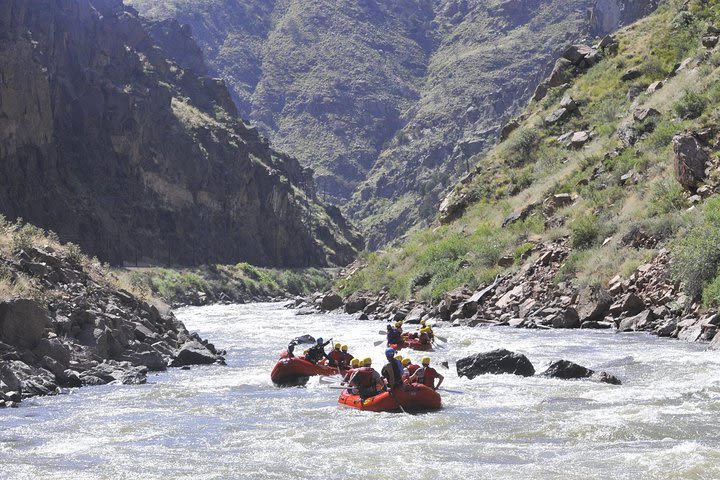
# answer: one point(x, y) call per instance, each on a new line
point(392, 394)
point(451, 391)
point(378, 342)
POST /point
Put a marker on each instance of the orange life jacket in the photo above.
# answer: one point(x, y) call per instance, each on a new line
point(412, 368)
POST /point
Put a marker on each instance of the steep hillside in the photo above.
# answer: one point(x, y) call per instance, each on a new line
point(387, 100)
point(608, 183)
point(138, 158)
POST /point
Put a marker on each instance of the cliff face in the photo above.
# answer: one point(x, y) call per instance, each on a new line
point(388, 101)
point(137, 158)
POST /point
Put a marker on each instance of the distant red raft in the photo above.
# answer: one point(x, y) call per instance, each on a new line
point(297, 371)
point(412, 398)
point(413, 344)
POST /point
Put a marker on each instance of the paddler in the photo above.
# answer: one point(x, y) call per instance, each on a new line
point(317, 352)
point(408, 368)
point(366, 379)
point(394, 335)
point(428, 328)
point(426, 375)
point(393, 370)
point(424, 337)
point(347, 358)
point(354, 365)
point(335, 357)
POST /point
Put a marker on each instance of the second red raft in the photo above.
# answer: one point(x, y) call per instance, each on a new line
point(297, 371)
point(412, 398)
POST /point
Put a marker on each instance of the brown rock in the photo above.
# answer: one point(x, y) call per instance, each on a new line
point(690, 160)
point(638, 322)
point(630, 304)
point(23, 323)
point(593, 304)
point(569, 319)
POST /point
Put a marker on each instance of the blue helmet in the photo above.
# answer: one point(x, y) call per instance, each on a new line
point(390, 352)
point(319, 340)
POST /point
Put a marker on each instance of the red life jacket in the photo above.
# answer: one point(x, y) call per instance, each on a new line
point(363, 377)
point(412, 368)
point(336, 356)
point(427, 376)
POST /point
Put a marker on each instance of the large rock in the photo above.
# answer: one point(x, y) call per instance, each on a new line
point(629, 304)
point(569, 319)
point(355, 303)
point(641, 321)
point(193, 353)
point(593, 304)
point(331, 301)
point(567, 370)
point(496, 362)
point(23, 323)
point(690, 160)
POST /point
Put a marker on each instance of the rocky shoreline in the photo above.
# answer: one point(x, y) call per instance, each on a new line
point(83, 330)
point(646, 301)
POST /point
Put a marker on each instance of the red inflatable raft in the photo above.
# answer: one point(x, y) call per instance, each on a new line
point(412, 343)
point(297, 371)
point(412, 398)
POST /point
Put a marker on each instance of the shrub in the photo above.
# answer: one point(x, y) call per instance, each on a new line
point(667, 196)
point(520, 147)
point(690, 106)
point(584, 231)
point(74, 253)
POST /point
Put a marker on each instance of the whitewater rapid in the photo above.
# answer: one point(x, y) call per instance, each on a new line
point(230, 422)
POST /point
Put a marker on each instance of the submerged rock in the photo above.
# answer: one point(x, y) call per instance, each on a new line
point(194, 353)
point(567, 370)
point(496, 362)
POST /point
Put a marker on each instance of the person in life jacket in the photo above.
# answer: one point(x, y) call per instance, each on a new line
point(392, 372)
point(317, 352)
point(408, 369)
point(426, 375)
point(424, 337)
point(347, 358)
point(335, 357)
point(428, 328)
point(354, 364)
point(394, 335)
point(365, 379)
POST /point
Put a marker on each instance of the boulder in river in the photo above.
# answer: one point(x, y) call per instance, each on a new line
point(193, 353)
point(496, 362)
point(356, 303)
point(567, 370)
point(593, 304)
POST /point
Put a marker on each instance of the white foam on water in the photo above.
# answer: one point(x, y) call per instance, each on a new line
point(230, 422)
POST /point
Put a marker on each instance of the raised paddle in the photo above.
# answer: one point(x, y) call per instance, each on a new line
point(378, 342)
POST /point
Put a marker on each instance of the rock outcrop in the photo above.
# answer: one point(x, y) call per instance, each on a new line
point(83, 330)
point(141, 159)
point(496, 362)
point(567, 370)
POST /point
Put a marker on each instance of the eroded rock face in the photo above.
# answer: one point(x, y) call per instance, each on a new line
point(93, 333)
point(690, 160)
point(496, 362)
point(139, 159)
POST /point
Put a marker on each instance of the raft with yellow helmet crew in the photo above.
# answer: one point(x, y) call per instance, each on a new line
point(296, 371)
point(394, 389)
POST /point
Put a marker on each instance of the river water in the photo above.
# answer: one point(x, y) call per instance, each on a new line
point(230, 422)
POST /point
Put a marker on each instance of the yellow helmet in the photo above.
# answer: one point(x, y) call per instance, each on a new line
point(398, 324)
point(354, 362)
point(398, 357)
point(305, 352)
point(423, 322)
point(338, 345)
point(344, 348)
point(425, 360)
point(405, 362)
point(367, 361)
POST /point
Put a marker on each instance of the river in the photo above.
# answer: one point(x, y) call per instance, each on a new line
point(230, 422)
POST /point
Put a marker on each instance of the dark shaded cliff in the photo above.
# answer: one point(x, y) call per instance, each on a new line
point(110, 144)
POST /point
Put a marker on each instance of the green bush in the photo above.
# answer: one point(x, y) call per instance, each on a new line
point(584, 231)
point(520, 146)
point(697, 254)
point(667, 196)
point(711, 293)
point(690, 106)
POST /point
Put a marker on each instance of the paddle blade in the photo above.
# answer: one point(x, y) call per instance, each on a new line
point(451, 391)
point(442, 339)
point(378, 342)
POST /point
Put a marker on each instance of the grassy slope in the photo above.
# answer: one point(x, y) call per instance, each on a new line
point(241, 282)
point(531, 165)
